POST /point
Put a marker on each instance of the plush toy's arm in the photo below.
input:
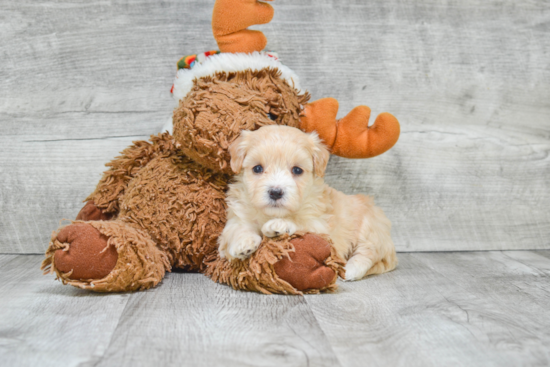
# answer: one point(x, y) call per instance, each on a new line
point(230, 19)
point(350, 137)
point(121, 170)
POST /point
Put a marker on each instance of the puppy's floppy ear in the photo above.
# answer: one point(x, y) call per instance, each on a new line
point(320, 154)
point(238, 150)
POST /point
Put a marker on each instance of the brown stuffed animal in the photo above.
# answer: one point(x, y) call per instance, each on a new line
point(161, 203)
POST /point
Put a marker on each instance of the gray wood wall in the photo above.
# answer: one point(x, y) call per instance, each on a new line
point(469, 81)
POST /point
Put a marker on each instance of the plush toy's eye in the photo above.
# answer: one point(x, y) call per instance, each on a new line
point(272, 116)
point(297, 171)
point(257, 169)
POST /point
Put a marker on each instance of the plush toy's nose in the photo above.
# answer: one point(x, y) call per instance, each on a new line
point(275, 194)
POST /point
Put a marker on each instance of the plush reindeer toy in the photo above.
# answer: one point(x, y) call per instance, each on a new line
point(161, 203)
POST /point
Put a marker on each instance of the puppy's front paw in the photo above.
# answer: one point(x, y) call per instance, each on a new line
point(277, 227)
point(244, 246)
point(356, 268)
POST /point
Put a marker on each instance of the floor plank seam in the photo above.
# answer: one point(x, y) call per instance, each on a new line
point(536, 268)
point(459, 286)
point(98, 360)
point(324, 332)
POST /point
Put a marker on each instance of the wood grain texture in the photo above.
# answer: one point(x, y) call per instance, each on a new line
point(435, 309)
point(189, 320)
point(45, 324)
point(441, 309)
point(469, 81)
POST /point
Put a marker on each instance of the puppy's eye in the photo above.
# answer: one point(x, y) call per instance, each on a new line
point(257, 169)
point(297, 171)
point(272, 116)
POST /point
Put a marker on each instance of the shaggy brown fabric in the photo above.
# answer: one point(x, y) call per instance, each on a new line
point(87, 256)
point(90, 211)
point(181, 205)
point(114, 181)
point(257, 273)
point(140, 265)
point(168, 198)
point(213, 114)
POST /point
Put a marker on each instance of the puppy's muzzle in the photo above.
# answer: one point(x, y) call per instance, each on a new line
point(275, 194)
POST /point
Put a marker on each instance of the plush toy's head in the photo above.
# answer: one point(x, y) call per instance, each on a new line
point(229, 93)
point(243, 88)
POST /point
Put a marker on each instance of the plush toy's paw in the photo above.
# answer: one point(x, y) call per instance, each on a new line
point(244, 246)
point(88, 255)
point(276, 227)
point(91, 212)
point(306, 268)
point(356, 268)
point(297, 264)
point(105, 256)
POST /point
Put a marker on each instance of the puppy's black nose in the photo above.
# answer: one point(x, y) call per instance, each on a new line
point(275, 194)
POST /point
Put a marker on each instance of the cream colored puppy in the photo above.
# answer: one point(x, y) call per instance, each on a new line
point(279, 188)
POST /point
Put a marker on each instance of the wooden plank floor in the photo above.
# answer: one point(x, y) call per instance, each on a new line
point(460, 308)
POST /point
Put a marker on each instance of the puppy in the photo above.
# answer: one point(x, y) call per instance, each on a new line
point(279, 189)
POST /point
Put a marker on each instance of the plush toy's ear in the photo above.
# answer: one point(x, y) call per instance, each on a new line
point(238, 150)
point(351, 136)
point(230, 20)
point(320, 154)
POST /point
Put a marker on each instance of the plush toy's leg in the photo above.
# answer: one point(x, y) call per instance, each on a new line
point(302, 263)
point(90, 211)
point(105, 256)
point(312, 267)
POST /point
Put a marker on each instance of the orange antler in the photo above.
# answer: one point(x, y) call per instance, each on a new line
point(230, 19)
point(350, 137)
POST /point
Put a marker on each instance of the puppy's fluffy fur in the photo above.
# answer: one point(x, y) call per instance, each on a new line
point(279, 188)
